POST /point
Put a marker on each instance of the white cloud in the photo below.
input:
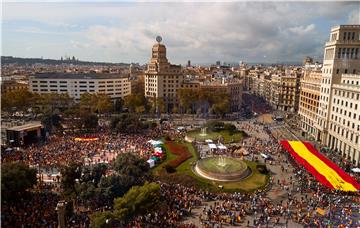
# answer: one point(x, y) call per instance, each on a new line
point(301, 30)
point(354, 17)
point(202, 32)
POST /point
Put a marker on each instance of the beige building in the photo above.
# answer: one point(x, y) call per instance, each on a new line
point(309, 99)
point(341, 57)
point(344, 124)
point(115, 85)
point(162, 79)
point(11, 85)
point(233, 88)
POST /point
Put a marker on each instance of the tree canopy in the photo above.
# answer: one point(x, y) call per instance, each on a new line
point(127, 123)
point(17, 100)
point(132, 166)
point(96, 103)
point(202, 101)
point(138, 200)
point(16, 179)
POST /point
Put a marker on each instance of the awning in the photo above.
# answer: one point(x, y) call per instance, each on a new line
point(155, 142)
point(221, 147)
point(324, 170)
point(356, 170)
point(212, 146)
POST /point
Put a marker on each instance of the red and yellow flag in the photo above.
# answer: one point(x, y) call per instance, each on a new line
point(86, 139)
point(318, 165)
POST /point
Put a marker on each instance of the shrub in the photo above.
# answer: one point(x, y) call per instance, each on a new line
point(169, 169)
point(215, 125)
point(167, 138)
point(231, 128)
point(262, 169)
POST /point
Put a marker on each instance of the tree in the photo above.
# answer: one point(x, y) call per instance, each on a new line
point(96, 103)
point(48, 102)
point(101, 219)
point(50, 121)
point(103, 103)
point(90, 121)
point(133, 101)
point(16, 179)
point(69, 174)
point(17, 100)
point(132, 166)
point(118, 105)
point(138, 200)
point(115, 186)
point(127, 123)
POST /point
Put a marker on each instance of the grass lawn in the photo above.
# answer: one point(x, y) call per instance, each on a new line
point(186, 176)
point(215, 135)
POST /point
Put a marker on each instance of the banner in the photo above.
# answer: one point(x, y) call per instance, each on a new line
point(86, 139)
point(320, 167)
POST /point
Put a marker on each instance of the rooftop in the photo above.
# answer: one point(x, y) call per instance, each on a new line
point(56, 75)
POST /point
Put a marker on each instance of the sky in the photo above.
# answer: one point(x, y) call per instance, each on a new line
point(202, 32)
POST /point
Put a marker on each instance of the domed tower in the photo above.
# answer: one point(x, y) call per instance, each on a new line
point(158, 52)
point(162, 79)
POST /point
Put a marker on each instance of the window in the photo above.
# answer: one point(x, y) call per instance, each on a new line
point(339, 53)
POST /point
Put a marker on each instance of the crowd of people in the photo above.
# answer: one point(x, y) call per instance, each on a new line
point(35, 210)
point(304, 195)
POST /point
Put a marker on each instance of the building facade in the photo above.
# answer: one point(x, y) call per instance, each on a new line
point(344, 124)
point(233, 88)
point(341, 58)
point(114, 85)
point(309, 99)
point(162, 79)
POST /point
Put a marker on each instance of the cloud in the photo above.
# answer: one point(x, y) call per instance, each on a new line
point(354, 16)
point(202, 32)
point(301, 30)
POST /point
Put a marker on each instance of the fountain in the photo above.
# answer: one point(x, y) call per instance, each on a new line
point(221, 161)
point(222, 169)
point(203, 132)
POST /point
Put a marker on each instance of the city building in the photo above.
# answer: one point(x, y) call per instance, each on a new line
point(344, 124)
point(11, 85)
point(232, 87)
point(279, 87)
point(309, 99)
point(162, 79)
point(341, 58)
point(114, 85)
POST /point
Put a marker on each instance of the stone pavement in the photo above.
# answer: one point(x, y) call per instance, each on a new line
point(278, 193)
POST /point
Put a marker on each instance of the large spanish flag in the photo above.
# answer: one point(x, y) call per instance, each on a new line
point(318, 165)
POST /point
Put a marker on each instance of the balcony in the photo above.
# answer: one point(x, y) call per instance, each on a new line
point(344, 42)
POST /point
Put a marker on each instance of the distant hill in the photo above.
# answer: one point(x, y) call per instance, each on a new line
point(30, 61)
